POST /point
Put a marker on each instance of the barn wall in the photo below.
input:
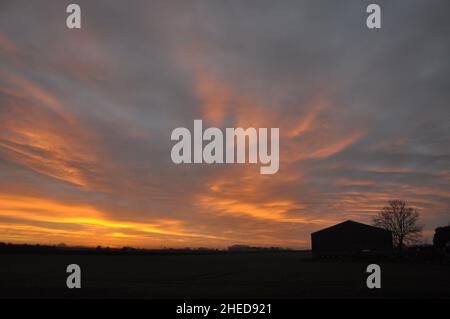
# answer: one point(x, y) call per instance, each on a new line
point(351, 239)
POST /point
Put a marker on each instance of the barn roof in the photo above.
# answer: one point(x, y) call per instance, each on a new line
point(350, 223)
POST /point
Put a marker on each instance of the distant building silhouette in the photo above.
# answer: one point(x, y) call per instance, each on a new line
point(441, 243)
point(441, 237)
point(351, 238)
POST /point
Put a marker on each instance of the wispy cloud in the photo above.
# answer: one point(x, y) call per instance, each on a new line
point(86, 118)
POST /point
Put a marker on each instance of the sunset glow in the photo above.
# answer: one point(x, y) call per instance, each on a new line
point(86, 116)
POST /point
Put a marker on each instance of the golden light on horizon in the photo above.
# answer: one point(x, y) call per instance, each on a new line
point(58, 219)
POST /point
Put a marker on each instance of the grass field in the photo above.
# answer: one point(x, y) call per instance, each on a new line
point(226, 275)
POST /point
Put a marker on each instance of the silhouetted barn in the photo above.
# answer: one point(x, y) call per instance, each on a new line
point(351, 238)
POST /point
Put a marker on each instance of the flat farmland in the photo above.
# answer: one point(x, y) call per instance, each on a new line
point(215, 275)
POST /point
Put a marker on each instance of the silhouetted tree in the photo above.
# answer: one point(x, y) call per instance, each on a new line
point(402, 221)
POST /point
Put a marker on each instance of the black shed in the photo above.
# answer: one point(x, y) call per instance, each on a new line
point(351, 238)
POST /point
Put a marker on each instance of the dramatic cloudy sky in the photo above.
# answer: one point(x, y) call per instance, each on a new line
point(86, 117)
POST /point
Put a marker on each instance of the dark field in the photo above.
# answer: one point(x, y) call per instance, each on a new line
point(222, 275)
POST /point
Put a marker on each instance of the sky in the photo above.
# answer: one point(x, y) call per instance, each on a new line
point(86, 118)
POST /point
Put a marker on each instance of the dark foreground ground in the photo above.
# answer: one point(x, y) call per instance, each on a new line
point(237, 275)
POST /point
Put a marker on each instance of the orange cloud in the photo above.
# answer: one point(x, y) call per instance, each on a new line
point(214, 98)
point(318, 146)
point(336, 147)
point(57, 149)
point(275, 211)
point(307, 122)
point(349, 182)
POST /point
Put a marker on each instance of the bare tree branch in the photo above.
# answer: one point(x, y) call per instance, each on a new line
point(402, 221)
